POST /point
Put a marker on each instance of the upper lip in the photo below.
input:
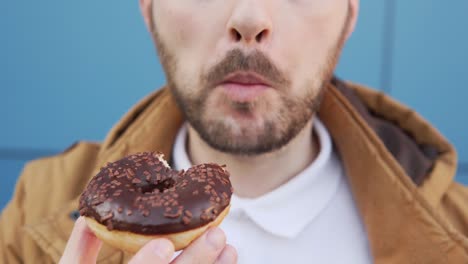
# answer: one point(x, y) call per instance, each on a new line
point(246, 78)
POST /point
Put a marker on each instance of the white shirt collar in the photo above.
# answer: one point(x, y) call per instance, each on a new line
point(288, 209)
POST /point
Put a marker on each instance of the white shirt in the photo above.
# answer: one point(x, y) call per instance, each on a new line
point(310, 219)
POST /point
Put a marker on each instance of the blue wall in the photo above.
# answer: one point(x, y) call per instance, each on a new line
point(69, 70)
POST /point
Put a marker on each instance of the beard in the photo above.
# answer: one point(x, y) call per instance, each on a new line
point(268, 122)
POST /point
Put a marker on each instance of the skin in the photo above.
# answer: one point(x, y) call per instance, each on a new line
point(265, 139)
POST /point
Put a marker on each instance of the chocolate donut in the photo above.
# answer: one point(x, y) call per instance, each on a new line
point(141, 195)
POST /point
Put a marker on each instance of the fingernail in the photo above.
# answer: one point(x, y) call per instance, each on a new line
point(162, 248)
point(216, 237)
point(79, 220)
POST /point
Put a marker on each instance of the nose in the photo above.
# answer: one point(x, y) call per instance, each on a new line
point(250, 22)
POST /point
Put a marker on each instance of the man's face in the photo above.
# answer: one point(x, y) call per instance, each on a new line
point(248, 74)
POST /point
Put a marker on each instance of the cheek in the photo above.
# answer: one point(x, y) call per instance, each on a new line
point(190, 26)
point(305, 50)
point(176, 25)
point(190, 31)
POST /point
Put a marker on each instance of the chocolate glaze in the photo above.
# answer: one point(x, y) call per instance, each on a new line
point(140, 194)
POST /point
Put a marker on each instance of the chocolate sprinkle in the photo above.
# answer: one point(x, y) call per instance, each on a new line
point(186, 220)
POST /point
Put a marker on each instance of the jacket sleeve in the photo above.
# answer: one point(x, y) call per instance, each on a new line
point(11, 222)
point(454, 206)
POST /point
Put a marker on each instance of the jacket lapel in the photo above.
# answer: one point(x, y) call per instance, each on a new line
point(401, 225)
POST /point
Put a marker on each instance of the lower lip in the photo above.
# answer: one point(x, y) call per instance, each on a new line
point(243, 92)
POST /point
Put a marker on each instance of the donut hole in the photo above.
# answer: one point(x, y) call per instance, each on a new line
point(158, 187)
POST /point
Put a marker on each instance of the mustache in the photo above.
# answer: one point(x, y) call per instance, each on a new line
point(256, 62)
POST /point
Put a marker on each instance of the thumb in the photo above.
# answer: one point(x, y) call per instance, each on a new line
point(83, 246)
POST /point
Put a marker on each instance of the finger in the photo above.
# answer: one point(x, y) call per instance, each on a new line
point(82, 246)
point(205, 249)
point(158, 251)
point(227, 256)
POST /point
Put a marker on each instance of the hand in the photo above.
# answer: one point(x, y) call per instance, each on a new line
point(211, 247)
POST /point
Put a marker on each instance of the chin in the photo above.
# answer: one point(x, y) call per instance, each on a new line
point(239, 126)
point(236, 131)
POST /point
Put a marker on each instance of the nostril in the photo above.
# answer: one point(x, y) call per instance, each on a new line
point(235, 35)
point(261, 35)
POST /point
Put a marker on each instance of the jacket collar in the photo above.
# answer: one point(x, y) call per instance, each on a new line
point(397, 209)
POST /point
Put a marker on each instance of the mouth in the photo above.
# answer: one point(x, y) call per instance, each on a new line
point(244, 86)
point(246, 79)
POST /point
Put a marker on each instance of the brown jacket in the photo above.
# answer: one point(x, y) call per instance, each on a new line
point(400, 170)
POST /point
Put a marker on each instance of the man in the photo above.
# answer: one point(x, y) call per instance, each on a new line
point(323, 171)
